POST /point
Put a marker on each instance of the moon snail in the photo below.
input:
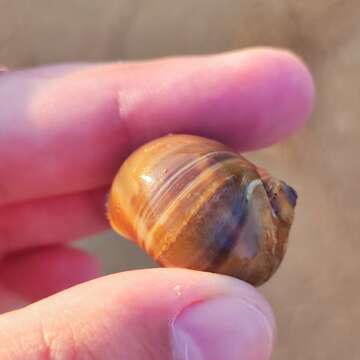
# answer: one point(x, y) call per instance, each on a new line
point(193, 202)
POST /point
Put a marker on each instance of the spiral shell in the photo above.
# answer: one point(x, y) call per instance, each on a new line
point(193, 202)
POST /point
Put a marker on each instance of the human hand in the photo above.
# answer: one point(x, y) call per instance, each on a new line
point(64, 131)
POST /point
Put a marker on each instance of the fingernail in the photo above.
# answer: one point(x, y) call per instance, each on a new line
point(223, 328)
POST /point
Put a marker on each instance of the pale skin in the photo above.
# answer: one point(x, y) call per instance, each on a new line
point(64, 131)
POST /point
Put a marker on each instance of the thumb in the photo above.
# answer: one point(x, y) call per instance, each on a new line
point(147, 314)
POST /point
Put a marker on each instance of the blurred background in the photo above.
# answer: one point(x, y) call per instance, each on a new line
point(316, 292)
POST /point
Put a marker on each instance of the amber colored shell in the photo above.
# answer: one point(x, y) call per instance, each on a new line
point(192, 202)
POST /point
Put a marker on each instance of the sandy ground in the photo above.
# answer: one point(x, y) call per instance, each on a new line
point(316, 293)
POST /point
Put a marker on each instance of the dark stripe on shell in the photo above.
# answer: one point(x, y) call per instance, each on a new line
point(228, 236)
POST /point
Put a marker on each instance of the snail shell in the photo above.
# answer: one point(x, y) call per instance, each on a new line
point(193, 202)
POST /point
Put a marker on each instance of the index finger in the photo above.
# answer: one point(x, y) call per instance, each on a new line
point(65, 129)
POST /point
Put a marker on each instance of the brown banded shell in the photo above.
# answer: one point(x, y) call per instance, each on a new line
point(193, 202)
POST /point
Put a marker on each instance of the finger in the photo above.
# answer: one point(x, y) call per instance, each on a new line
point(148, 314)
point(71, 127)
point(53, 220)
point(36, 274)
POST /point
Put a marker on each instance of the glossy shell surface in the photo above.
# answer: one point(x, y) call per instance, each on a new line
point(193, 202)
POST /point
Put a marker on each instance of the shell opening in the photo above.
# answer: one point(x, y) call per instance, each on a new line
point(282, 198)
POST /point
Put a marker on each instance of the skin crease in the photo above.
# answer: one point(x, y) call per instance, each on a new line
point(246, 99)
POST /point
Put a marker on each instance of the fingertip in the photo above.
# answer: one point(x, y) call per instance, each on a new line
point(212, 316)
point(275, 96)
point(294, 86)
